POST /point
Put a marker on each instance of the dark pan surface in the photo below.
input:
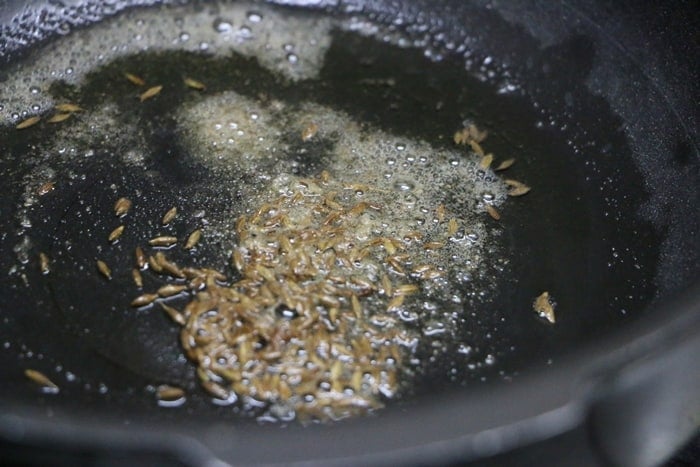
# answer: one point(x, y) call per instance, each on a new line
point(596, 231)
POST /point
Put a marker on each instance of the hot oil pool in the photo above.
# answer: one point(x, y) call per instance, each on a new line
point(331, 243)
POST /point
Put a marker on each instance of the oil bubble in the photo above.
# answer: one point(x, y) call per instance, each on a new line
point(244, 32)
point(464, 349)
point(222, 26)
point(404, 185)
point(254, 17)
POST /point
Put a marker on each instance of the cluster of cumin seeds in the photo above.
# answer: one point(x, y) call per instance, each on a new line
point(310, 327)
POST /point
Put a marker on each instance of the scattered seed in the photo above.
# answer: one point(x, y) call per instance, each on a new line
point(170, 289)
point(150, 92)
point(122, 206)
point(138, 81)
point(476, 134)
point(193, 239)
point(389, 246)
point(452, 227)
point(154, 264)
point(28, 122)
point(169, 393)
point(140, 257)
point(476, 147)
point(138, 278)
point(386, 285)
point(406, 289)
point(42, 380)
point(433, 274)
point(440, 213)
point(358, 209)
point(104, 269)
point(356, 308)
point(395, 303)
point(421, 269)
point(45, 188)
point(331, 218)
point(237, 259)
point(493, 212)
point(169, 216)
point(470, 133)
point(44, 263)
point(60, 117)
point(433, 245)
point(395, 264)
point(174, 314)
point(194, 84)
point(517, 188)
point(505, 164)
point(241, 225)
point(164, 240)
point(544, 307)
point(143, 300)
point(68, 108)
point(486, 161)
point(285, 244)
point(168, 267)
point(215, 390)
point(116, 233)
point(309, 132)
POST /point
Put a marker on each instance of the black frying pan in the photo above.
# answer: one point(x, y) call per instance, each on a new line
point(605, 127)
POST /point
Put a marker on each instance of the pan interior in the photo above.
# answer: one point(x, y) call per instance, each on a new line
point(573, 235)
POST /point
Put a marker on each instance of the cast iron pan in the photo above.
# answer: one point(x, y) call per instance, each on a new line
point(605, 125)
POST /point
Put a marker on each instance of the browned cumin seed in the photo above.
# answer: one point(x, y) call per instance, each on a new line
point(46, 188)
point(193, 239)
point(26, 123)
point(516, 188)
point(134, 79)
point(104, 269)
point(59, 117)
point(143, 300)
point(44, 263)
point(506, 164)
point(493, 212)
point(309, 131)
point(169, 216)
point(116, 233)
point(150, 93)
point(122, 206)
point(68, 108)
point(166, 392)
point(41, 379)
point(163, 240)
point(140, 258)
point(194, 84)
point(137, 277)
point(544, 307)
